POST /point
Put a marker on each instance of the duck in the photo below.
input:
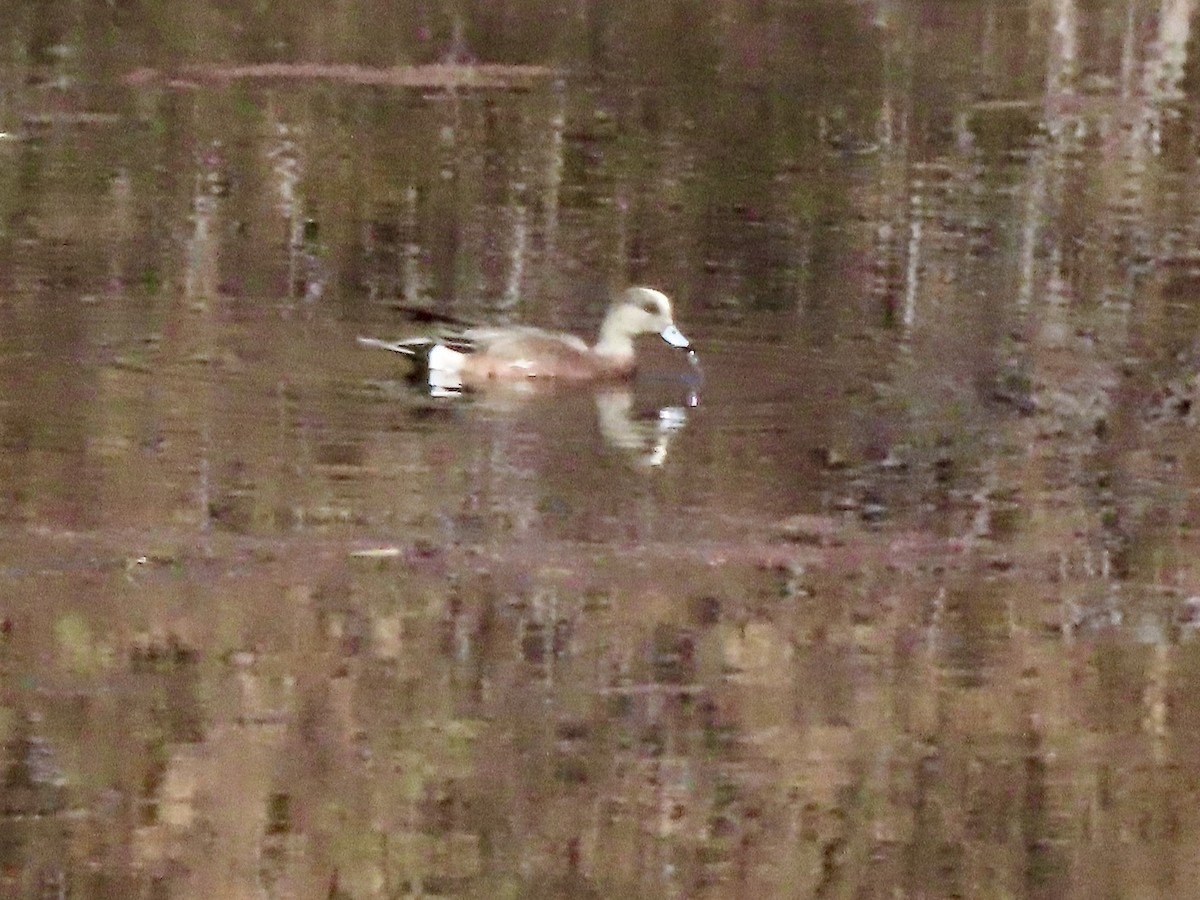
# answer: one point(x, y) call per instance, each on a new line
point(480, 355)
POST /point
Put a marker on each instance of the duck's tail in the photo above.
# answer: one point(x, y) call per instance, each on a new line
point(406, 346)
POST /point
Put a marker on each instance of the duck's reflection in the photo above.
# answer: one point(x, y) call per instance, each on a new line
point(643, 434)
point(646, 439)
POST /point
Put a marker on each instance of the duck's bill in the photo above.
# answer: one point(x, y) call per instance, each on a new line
point(674, 337)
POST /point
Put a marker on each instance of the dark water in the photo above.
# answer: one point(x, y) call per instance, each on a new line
point(895, 595)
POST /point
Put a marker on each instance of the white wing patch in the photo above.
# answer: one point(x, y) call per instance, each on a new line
point(443, 359)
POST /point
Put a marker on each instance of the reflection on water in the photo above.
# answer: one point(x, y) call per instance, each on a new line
point(647, 441)
point(900, 599)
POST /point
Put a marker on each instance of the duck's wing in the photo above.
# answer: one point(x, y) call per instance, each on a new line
point(420, 345)
point(531, 351)
point(523, 340)
point(407, 346)
point(424, 316)
point(447, 330)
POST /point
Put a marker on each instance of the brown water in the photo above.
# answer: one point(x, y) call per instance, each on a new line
point(895, 596)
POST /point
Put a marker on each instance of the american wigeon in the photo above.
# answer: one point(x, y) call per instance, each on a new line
point(478, 355)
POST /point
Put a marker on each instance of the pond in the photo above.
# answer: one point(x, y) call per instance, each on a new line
point(894, 592)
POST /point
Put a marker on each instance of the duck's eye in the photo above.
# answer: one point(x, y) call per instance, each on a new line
point(651, 307)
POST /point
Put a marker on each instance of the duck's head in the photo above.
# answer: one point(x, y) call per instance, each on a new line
point(639, 310)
